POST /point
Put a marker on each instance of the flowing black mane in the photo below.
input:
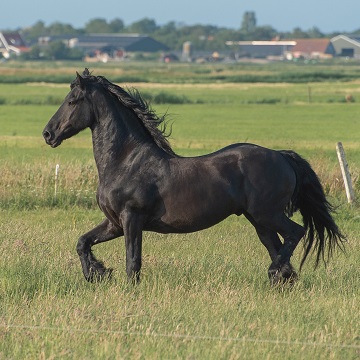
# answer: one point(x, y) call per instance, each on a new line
point(156, 126)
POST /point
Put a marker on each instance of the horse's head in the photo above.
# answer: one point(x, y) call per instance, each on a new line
point(74, 115)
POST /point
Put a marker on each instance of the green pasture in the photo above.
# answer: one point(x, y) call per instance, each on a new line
point(302, 72)
point(203, 295)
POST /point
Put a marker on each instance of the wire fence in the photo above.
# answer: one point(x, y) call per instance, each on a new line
point(183, 336)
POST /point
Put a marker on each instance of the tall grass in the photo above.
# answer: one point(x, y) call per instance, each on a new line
point(202, 295)
point(29, 186)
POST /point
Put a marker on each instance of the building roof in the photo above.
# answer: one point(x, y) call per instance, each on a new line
point(12, 41)
point(354, 40)
point(309, 46)
point(127, 42)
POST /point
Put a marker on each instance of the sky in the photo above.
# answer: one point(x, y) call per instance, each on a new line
point(282, 15)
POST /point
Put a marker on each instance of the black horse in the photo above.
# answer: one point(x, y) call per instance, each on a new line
point(144, 185)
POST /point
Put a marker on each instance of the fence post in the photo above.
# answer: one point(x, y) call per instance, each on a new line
point(345, 172)
point(56, 179)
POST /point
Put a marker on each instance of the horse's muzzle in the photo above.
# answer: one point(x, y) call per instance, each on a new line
point(50, 139)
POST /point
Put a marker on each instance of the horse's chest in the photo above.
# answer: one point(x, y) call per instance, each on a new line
point(107, 195)
point(115, 199)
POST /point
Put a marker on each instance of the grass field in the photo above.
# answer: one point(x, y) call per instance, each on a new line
point(203, 295)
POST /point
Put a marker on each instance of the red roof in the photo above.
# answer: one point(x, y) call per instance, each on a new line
point(13, 39)
point(309, 46)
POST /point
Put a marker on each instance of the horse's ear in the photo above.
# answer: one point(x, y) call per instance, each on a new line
point(80, 81)
point(86, 72)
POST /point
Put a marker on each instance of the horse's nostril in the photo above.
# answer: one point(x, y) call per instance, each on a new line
point(47, 135)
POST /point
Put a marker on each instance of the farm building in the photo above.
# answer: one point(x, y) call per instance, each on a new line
point(107, 46)
point(311, 49)
point(12, 43)
point(289, 49)
point(261, 49)
point(346, 46)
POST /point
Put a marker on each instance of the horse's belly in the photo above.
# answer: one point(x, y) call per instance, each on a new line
point(192, 218)
point(182, 225)
point(200, 205)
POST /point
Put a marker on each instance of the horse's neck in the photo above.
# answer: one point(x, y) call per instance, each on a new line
point(115, 139)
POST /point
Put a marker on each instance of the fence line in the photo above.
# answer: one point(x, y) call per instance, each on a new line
point(181, 336)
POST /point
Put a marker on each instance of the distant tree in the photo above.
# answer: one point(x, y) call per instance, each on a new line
point(166, 29)
point(354, 33)
point(167, 34)
point(75, 54)
point(34, 53)
point(144, 26)
point(263, 33)
point(56, 50)
point(58, 28)
point(217, 41)
point(297, 33)
point(33, 33)
point(116, 26)
point(225, 35)
point(97, 26)
point(248, 24)
point(315, 33)
point(38, 28)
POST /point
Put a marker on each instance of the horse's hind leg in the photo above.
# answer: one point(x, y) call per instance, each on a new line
point(270, 239)
point(281, 270)
point(94, 269)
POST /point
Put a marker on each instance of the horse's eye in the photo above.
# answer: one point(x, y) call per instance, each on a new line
point(71, 102)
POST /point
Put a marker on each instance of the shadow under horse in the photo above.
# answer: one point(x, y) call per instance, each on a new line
point(144, 185)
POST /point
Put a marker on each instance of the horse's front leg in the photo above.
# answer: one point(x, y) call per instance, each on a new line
point(133, 224)
point(93, 269)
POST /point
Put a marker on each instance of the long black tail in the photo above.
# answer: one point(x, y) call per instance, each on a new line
point(321, 231)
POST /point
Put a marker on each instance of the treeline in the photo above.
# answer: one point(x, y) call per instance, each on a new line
point(172, 34)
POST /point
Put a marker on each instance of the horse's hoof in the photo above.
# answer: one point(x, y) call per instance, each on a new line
point(274, 277)
point(288, 273)
point(99, 276)
point(283, 275)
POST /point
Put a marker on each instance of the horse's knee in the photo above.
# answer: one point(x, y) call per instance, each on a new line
point(82, 246)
